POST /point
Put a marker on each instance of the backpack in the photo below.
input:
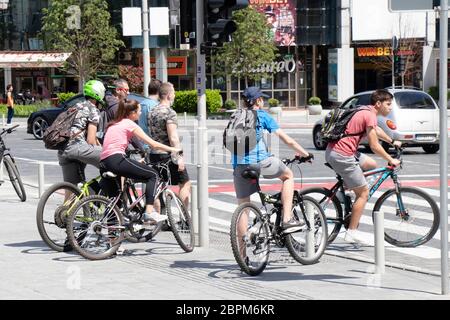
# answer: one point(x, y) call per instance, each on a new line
point(335, 124)
point(58, 134)
point(239, 137)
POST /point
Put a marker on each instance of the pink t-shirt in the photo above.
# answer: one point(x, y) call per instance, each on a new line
point(358, 123)
point(117, 138)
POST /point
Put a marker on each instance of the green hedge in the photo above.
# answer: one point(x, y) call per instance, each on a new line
point(186, 101)
point(63, 96)
point(21, 111)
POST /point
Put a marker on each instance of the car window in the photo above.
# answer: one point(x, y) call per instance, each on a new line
point(74, 101)
point(413, 100)
point(350, 103)
point(364, 100)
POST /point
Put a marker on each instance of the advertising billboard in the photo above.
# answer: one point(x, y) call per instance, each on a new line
point(281, 18)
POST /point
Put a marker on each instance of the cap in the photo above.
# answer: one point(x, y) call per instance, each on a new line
point(253, 93)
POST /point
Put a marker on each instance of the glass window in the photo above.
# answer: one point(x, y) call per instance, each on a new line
point(283, 97)
point(220, 83)
point(266, 83)
point(350, 103)
point(234, 83)
point(413, 100)
point(364, 100)
point(281, 80)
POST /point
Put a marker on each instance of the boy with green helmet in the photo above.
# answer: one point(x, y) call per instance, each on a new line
point(83, 147)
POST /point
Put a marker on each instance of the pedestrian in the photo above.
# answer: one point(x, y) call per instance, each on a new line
point(9, 103)
point(149, 104)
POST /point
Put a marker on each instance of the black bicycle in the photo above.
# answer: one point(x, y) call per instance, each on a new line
point(98, 225)
point(411, 215)
point(254, 229)
point(10, 165)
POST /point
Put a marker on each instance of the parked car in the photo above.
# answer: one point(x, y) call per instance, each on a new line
point(40, 120)
point(414, 120)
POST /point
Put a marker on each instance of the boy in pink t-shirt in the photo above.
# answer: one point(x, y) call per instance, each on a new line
point(344, 158)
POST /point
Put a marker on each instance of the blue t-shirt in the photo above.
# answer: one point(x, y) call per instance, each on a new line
point(260, 152)
point(146, 106)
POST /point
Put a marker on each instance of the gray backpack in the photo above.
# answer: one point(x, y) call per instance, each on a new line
point(239, 137)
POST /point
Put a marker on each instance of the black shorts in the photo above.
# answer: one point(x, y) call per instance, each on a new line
point(176, 177)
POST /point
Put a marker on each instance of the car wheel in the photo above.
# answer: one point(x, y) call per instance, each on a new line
point(319, 144)
point(430, 148)
point(39, 126)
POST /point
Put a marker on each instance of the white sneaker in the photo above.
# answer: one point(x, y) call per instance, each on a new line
point(154, 217)
point(354, 236)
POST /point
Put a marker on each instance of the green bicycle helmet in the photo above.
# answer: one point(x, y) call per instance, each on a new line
point(94, 89)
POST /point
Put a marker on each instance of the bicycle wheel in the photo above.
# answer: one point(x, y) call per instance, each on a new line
point(249, 236)
point(14, 177)
point(180, 221)
point(413, 226)
point(308, 244)
point(51, 214)
point(331, 207)
point(94, 229)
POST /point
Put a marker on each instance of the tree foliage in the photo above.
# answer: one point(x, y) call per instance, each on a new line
point(250, 47)
point(82, 28)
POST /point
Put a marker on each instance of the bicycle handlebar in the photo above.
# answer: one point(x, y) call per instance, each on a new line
point(9, 130)
point(298, 159)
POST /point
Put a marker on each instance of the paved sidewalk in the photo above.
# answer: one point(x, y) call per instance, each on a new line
point(161, 270)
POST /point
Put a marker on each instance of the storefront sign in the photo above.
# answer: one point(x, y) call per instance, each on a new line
point(281, 18)
point(332, 75)
point(289, 66)
point(176, 66)
point(380, 52)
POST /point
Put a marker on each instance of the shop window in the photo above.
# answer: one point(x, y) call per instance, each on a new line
point(283, 97)
point(281, 80)
point(234, 83)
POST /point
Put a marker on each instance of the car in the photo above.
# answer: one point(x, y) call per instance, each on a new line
point(414, 120)
point(39, 121)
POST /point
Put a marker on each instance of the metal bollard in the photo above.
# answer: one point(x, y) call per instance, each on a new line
point(185, 119)
point(2, 178)
point(310, 245)
point(194, 214)
point(307, 115)
point(41, 182)
point(379, 242)
point(3, 119)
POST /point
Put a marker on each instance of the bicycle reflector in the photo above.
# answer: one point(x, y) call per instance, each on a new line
point(391, 125)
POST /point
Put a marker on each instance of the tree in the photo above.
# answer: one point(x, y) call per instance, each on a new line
point(134, 76)
point(82, 28)
point(250, 48)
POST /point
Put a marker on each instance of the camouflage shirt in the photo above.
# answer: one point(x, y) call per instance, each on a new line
point(87, 113)
point(158, 118)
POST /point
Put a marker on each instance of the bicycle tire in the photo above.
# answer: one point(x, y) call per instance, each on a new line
point(428, 203)
point(262, 258)
point(296, 242)
point(88, 203)
point(40, 220)
point(331, 212)
point(14, 177)
point(180, 223)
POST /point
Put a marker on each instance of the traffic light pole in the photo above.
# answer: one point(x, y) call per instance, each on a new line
point(146, 50)
point(443, 139)
point(202, 134)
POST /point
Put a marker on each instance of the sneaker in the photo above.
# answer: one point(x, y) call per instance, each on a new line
point(154, 217)
point(292, 226)
point(354, 236)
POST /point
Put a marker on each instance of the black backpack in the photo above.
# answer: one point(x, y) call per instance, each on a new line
point(239, 137)
point(335, 123)
point(58, 134)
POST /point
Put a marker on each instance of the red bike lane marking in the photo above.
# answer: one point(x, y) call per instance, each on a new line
point(299, 186)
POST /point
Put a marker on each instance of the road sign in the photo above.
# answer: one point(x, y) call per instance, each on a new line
point(410, 5)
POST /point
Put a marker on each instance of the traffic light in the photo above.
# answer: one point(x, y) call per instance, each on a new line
point(397, 59)
point(219, 25)
point(402, 63)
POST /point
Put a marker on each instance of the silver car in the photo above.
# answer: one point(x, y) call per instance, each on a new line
point(414, 120)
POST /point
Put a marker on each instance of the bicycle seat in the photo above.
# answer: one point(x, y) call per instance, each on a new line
point(252, 172)
point(108, 175)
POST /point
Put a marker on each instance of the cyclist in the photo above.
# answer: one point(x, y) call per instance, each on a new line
point(83, 147)
point(344, 158)
point(270, 166)
point(118, 135)
point(163, 124)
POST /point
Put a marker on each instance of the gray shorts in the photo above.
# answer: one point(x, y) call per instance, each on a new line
point(348, 167)
point(271, 168)
point(73, 160)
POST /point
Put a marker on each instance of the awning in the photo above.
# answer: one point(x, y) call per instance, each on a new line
point(25, 59)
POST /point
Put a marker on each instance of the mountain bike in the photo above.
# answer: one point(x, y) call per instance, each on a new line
point(253, 229)
point(10, 165)
point(411, 215)
point(61, 198)
point(98, 225)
